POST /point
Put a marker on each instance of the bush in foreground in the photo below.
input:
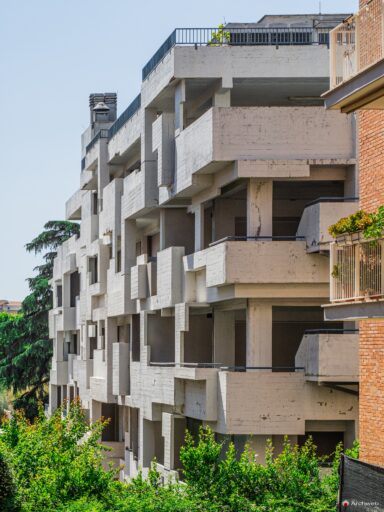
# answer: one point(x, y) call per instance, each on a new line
point(54, 465)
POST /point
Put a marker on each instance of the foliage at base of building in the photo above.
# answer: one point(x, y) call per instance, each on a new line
point(56, 465)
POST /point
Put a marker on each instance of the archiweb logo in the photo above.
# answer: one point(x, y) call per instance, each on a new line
point(350, 504)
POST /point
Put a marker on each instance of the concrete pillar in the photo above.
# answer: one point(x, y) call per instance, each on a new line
point(181, 325)
point(53, 405)
point(173, 431)
point(95, 411)
point(128, 249)
point(278, 443)
point(199, 228)
point(148, 442)
point(258, 445)
point(180, 98)
point(222, 98)
point(259, 207)
point(224, 337)
point(66, 290)
point(259, 334)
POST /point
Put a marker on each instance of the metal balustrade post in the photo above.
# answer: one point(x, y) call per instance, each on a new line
point(331, 265)
point(356, 255)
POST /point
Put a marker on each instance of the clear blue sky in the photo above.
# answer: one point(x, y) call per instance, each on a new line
point(53, 53)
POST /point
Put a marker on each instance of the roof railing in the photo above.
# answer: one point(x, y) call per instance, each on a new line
point(230, 36)
point(132, 108)
point(101, 134)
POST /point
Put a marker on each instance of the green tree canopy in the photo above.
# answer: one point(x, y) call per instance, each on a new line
point(25, 348)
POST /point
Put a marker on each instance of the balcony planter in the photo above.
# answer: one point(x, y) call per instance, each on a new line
point(349, 238)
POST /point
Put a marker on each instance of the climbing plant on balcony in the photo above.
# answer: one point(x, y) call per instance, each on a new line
point(25, 348)
point(371, 225)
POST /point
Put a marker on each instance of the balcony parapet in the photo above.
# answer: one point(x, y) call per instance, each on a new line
point(263, 262)
point(232, 36)
point(319, 215)
point(330, 355)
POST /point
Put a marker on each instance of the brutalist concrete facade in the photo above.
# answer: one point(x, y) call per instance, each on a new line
point(193, 294)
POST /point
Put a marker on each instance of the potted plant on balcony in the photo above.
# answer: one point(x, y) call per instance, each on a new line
point(220, 37)
point(358, 270)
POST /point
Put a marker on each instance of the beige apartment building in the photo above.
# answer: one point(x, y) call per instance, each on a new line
point(193, 294)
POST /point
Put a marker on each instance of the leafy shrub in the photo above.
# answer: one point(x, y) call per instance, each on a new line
point(291, 481)
point(8, 502)
point(56, 465)
point(356, 222)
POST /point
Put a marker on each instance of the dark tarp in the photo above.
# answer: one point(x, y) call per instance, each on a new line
point(361, 486)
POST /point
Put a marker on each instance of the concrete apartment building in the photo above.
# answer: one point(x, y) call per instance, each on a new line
point(193, 294)
point(357, 78)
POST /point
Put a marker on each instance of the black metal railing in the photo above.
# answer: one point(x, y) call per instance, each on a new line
point(101, 134)
point(331, 331)
point(267, 368)
point(256, 36)
point(258, 238)
point(332, 200)
point(132, 108)
point(225, 368)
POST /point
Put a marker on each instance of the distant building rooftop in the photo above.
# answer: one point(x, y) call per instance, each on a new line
point(9, 306)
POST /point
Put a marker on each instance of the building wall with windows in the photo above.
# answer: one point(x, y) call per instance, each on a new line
point(193, 294)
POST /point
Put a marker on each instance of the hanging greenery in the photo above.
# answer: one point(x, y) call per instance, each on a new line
point(371, 225)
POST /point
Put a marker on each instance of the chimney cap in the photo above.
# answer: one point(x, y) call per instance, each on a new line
point(101, 107)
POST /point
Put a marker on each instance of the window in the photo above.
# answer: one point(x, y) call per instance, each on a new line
point(94, 204)
point(74, 288)
point(59, 295)
point(135, 337)
point(92, 269)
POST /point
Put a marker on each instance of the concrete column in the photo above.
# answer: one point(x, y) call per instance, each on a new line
point(180, 98)
point(128, 245)
point(199, 228)
point(179, 348)
point(173, 431)
point(258, 445)
point(148, 442)
point(222, 98)
point(259, 207)
point(53, 405)
point(66, 290)
point(95, 411)
point(259, 334)
point(181, 325)
point(224, 337)
point(278, 443)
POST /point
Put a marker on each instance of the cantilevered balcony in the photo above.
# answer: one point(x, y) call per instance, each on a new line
point(319, 215)
point(258, 267)
point(285, 137)
point(357, 61)
point(330, 356)
point(357, 278)
point(271, 402)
